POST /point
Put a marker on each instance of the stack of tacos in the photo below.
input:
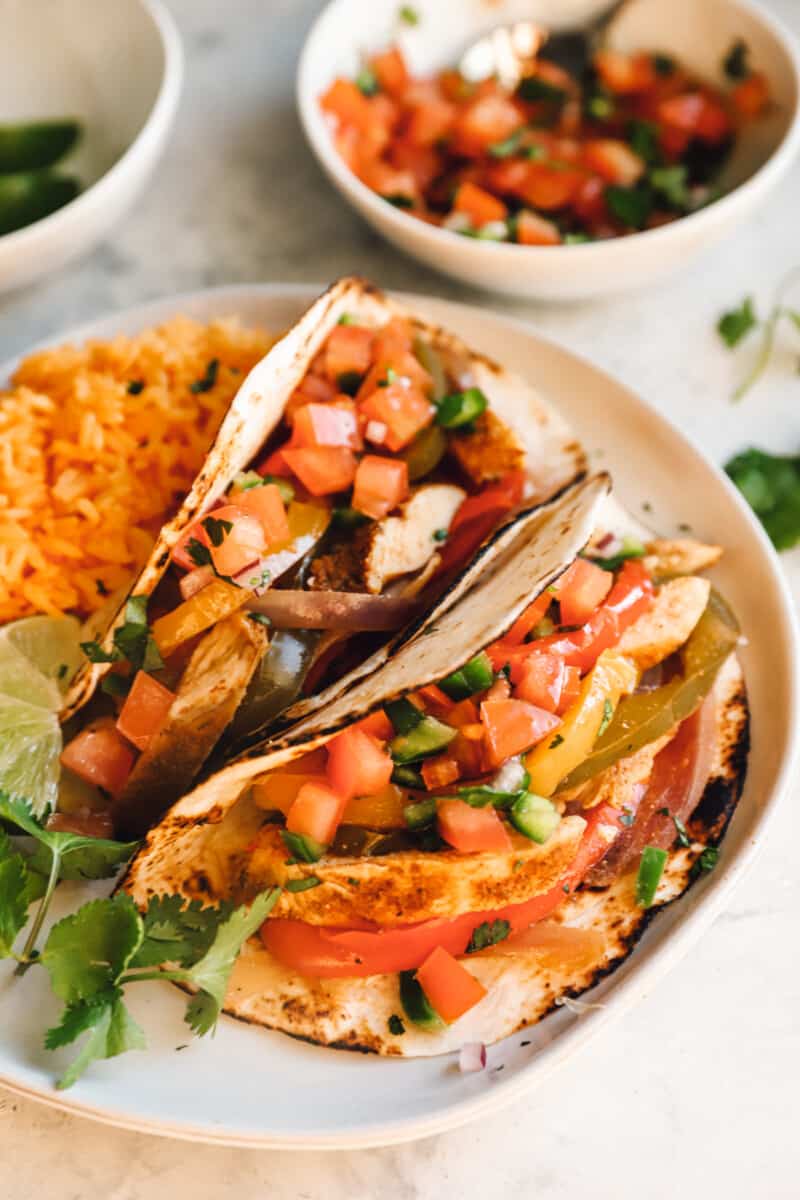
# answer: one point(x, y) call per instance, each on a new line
point(361, 467)
point(484, 819)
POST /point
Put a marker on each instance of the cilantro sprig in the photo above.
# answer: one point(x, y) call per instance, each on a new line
point(737, 323)
point(132, 641)
point(95, 953)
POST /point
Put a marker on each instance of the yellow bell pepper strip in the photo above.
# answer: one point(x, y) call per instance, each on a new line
point(612, 677)
point(307, 523)
point(646, 716)
point(202, 610)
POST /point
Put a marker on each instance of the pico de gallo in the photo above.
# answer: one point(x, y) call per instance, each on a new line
point(388, 464)
point(635, 144)
point(490, 759)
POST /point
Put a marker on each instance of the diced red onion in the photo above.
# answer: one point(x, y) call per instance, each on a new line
point(194, 581)
point(86, 822)
point(606, 542)
point(354, 612)
point(472, 1057)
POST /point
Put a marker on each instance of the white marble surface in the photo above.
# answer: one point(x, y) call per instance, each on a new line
point(695, 1093)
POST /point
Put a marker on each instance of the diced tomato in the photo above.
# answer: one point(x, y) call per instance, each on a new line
point(358, 764)
point(276, 464)
point(323, 469)
point(624, 73)
point(463, 713)
point(594, 843)
point(348, 350)
point(348, 103)
point(242, 544)
point(327, 425)
point(316, 387)
point(613, 160)
point(439, 771)
point(533, 230)
point(145, 710)
point(266, 504)
point(531, 617)
point(551, 187)
point(100, 755)
point(437, 702)
point(451, 989)
point(513, 726)
point(672, 141)
point(589, 202)
point(388, 181)
point(423, 162)
point(508, 175)
point(487, 119)
point(751, 96)
point(377, 724)
point(539, 679)
point(430, 122)
point(696, 114)
point(580, 590)
point(479, 205)
point(316, 812)
point(391, 71)
point(403, 410)
point(570, 690)
point(632, 593)
point(380, 485)
point(469, 829)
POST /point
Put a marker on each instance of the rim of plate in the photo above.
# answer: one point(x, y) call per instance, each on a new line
point(640, 972)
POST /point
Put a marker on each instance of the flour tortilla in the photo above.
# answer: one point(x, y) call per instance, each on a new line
point(554, 456)
point(522, 986)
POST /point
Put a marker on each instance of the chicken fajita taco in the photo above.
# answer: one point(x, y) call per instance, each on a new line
point(486, 822)
point(360, 468)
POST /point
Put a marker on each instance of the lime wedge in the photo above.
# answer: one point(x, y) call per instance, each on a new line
point(50, 643)
point(20, 680)
point(30, 743)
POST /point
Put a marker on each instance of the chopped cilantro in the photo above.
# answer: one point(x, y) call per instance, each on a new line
point(608, 713)
point(135, 387)
point(96, 654)
point(440, 535)
point(260, 619)
point(557, 740)
point(134, 641)
point(643, 139)
point(488, 933)
point(508, 146)
point(735, 64)
point(396, 1025)
point(347, 319)
point(216, 529)
point(367, 81)
point(102, 590)
point(708, 859)
point(631, 205)
point(115, 685)
point(198, 553)
point(735, 324)
point(671, 184)
point(663, 64)
point(770, 483)
point(408, 15)
point(208, 380)
point(600, 106)
point(631, 548)
point(62, 670)
point(399, 200)
point(533, 88)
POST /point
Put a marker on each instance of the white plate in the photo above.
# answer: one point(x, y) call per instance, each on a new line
point(249, 1087)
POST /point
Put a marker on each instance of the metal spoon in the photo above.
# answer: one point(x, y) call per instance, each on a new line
point(509, 52)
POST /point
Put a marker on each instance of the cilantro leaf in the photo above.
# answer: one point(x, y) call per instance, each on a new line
point(198, 553)
point(206, 383)
point(14, 895)
point(216, 529)
point(735, 324)
point(735, 64)
point(643, 139)
point(134, 641)
point(178, 932)
point(631, 205)
point(211, 973)
point(671, 183)
point(96, 654)
point(86, 952)
point(111, 1028)
point(488, 933)
point(770, 483)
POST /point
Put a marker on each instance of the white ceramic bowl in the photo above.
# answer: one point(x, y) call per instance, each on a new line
point(698, 33)
point(117, 66)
